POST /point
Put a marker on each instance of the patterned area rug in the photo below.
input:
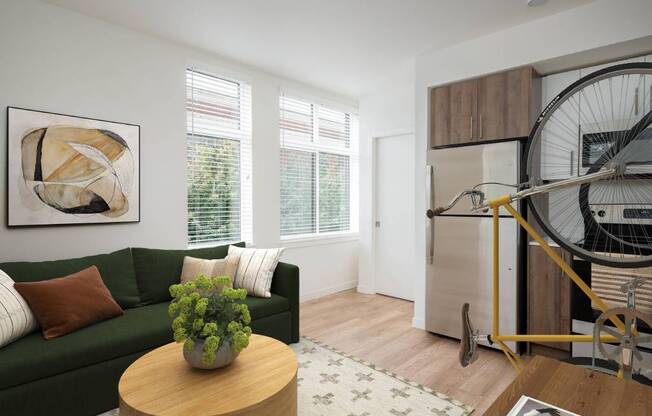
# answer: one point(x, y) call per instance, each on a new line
point(332, 383)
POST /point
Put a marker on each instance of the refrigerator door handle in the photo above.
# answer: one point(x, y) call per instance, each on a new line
point(430, 225)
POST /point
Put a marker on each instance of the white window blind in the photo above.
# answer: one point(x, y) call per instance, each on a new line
point(218, 129)
point(319, 160)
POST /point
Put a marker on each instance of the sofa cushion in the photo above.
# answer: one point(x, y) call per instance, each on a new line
point(16, 317)
point(194, 267)
point(116, 268)
point(157, 270)
point(262, 307)
point(33, 358)
point(68, 303)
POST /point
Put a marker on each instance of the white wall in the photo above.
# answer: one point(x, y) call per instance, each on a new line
point(56, 60)
point(387, 110)
point(596, 25)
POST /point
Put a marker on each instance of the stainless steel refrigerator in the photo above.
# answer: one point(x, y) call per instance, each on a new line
point(459, 242)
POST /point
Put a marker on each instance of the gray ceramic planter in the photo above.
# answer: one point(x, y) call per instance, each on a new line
point(223, 357)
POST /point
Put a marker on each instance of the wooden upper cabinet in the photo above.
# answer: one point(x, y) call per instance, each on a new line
point(463, 111)
point(492, 107)
point(523, 101)
point(498, 106)
point(439, 116)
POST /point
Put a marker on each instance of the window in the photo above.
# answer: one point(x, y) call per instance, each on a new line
point(218, 112)
point(319, 159)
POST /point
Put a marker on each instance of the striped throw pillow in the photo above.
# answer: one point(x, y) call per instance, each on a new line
point(16, 318)
point(255, 269)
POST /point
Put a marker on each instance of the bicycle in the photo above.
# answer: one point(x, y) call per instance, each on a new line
point(616, 176)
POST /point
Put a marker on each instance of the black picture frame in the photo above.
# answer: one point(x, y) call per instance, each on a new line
point(8, 195)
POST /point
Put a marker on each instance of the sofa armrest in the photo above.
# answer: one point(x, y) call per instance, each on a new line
point(286, 283)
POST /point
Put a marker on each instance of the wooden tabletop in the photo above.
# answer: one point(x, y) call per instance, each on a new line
point(577, 389)
point(262, 380)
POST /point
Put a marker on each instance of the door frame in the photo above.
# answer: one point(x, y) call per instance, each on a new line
point(374, 192)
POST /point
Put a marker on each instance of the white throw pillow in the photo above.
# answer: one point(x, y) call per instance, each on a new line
point(255, 269)
point(193, 267)
point(16, 318)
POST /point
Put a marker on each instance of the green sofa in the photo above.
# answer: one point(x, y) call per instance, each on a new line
point(78, 373)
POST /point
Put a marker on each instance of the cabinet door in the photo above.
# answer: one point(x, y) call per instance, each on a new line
point(463, 109)
point(492, 107)
point(560, 156)
point(518, 102)
point(597, 109)
point(548, 296)
point(439, 116)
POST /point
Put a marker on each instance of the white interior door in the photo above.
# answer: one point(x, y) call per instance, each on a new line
point(394, 207)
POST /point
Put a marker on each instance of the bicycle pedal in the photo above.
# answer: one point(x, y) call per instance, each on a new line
point(469, 342)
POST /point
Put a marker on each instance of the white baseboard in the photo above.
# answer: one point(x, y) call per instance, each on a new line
point(328, 290)
point(418, 323)
point(366, 290)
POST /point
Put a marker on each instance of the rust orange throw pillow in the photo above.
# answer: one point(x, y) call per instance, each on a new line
point(65, 304)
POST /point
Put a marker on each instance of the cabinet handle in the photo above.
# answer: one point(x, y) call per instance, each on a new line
point(480, 126)
point(636, 101)
point(471, 130)
point(572, 162)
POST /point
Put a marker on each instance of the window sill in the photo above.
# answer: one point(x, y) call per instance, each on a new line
point(210, 244)
point(319, 240)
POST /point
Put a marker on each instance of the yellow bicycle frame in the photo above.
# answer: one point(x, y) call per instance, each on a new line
point(496, 336)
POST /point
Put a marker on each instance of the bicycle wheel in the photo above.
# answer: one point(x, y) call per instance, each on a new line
point(602, 121)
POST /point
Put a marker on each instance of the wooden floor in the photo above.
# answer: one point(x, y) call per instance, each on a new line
point(378, 329)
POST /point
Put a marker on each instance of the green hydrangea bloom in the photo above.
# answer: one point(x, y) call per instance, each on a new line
point(203, 283)
point(175, 290)
point(178, 323)
point(222, 281)
point(201, 306)
point(197, 324)
point(210, 329)
point(235, 294)
point(189, 287)
point(189, 345)
point(180, 334)
point(234, 327)
point(246, 316)
point(173, 309)
point(240, 341)
point(212, 343)
point(185, 304)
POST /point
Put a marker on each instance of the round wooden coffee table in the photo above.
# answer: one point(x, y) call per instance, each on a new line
point(261, 381)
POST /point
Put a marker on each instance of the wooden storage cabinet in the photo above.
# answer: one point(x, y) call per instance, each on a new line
point(439, 113)
point(492, 112)
point(522, 102)
point(463, 108)
point(548, 296)
point(498, 106)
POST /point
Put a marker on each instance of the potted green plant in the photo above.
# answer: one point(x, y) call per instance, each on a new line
point(211, 319)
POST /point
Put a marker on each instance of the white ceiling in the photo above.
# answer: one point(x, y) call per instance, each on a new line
point(340, 45)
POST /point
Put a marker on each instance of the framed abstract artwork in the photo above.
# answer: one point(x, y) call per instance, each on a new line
point(65, 170)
